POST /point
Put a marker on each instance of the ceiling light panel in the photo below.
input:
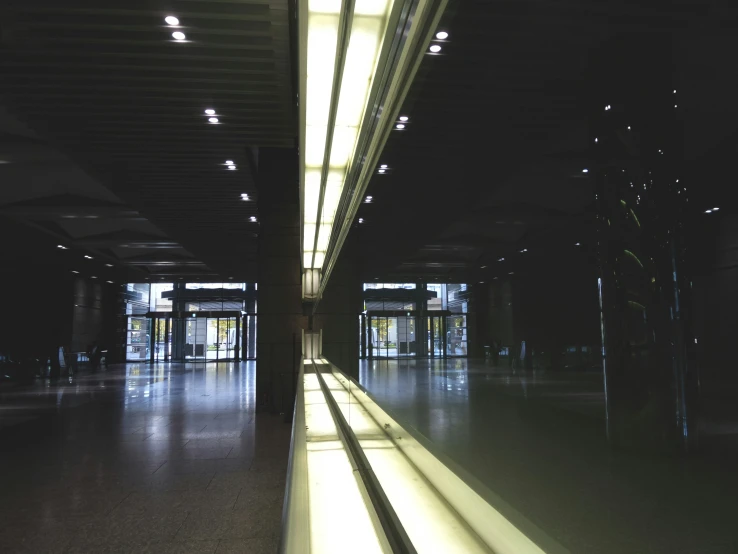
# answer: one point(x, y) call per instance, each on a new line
point(367, 29)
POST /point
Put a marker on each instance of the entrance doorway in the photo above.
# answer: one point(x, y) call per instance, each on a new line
point(390, 336)
point(437, 344)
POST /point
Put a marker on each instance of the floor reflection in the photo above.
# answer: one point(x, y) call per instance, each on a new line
point(140, 458)
point(537, 439)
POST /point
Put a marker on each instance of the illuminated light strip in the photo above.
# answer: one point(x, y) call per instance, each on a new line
point(439, 511)
point(334, 110)
point(339, 519)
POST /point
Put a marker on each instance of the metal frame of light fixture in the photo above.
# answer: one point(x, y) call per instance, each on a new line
point(402, 30)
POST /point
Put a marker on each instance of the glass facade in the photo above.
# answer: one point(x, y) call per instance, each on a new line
point(189, 321)
point(414, 319)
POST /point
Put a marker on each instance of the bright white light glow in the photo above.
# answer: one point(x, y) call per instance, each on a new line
point(210, 111)
point(93, 277)
point(383, 166)
point(442, 35)
point(111, 282)
point(73, 271)
point(364, 43)
point(252, 218)
point(361, 220)
point(404, 118)
point(229, 162)
point(231, 167)
point(382, 171)
point(88, 257)
point(178, 35)
point(435, 48)
point(171, 20)
point(400, 126)
point(108, 265)
point(213, 119)
point(61, 246)
point(585, 170)
point(708, 211)
point(715, 209)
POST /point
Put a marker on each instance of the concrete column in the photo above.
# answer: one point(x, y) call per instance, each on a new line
point(338, 312)
point(280, 319)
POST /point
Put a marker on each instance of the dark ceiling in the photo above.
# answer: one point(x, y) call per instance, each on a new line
point(491, 160)
point(105, 139)
point(102, 120)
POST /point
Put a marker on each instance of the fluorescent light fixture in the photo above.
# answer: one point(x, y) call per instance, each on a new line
point(213, 119)
point(88, 257)
point(435, 48)
point(400, 126)
point(210, 111)
point(324, 176)
point(178, 35)
point(229, 162)
point(442, 35)
point(61, 246)
point(171, 20)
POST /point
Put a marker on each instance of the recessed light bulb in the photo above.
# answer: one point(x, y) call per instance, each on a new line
point(178, 35)
point(585, 170)
point(400, 126)
point(229, 162)
point(361, 220)
point(383, 166)
point(708, 211)
point(171, 20)
point(231, 167)
point(435, 48)
point(382, 170)
point(442, 35)
point(210, 111)
point(213, 120)
point(715, 209)
point(404, 118)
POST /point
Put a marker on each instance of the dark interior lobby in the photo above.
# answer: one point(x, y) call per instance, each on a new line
point(368, 276)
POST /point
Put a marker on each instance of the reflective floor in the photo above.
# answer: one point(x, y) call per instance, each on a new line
point(135, 459)
point(537, 440)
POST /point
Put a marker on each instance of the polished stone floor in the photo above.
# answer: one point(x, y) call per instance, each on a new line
point(140, 459)
point(536, 440)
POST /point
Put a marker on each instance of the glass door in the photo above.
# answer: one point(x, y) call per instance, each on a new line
point(196, 335)
point(436, 342)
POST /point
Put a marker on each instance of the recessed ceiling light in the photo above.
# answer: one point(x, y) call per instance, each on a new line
point(231, 167)
point(361, 220)
point(213, 120)
point(61, 246)
point(404, 118)
point(178, 35)
point(382, 170)
point(511, 273)
point(400, 125)
point(108, 265)
point(435, 48)
point(73, 271)
point(210, 111)
point(484, 266)
point(88, 257)
point(111, 282)
point(171, 20)
point(501, 259)
point(524, 250)
point(715, 209)
point(383, 166)
point(253, 218)
point(585, 170)
point(577, 244)
point(93, 276)
point(229, 162)
point(708, 211)
point(441, 35)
